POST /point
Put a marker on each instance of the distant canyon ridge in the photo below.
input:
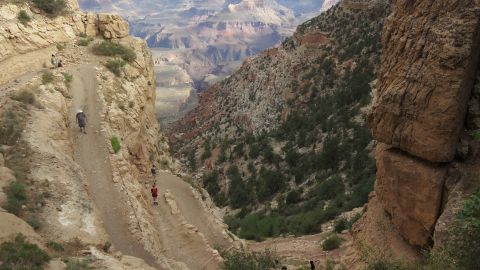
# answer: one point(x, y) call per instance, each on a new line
point(198, 42)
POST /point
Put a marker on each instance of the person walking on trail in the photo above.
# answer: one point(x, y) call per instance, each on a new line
point(154, 191)
point(81, 121)
point(312, 265)
point(54, 61)
point(153, 170)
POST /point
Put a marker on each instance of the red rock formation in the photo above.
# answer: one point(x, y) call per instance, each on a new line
point(428, 66)
point(410, 190)
point(429, 62)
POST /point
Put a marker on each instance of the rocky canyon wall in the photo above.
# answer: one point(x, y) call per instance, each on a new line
point(428, 71)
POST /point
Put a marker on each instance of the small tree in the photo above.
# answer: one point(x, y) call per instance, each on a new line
point(23, 17)
point(51, 7)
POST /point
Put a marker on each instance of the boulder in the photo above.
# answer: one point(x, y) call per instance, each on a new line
point(410, 190)
point(430, 52)
point(112, 26)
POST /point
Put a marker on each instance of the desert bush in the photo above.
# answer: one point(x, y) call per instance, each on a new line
point(340, 225)
point(242, 259)
point(76, 264)
point(85, 41)
point(51, 7)
point(23, 17)
point(34, 222)
point(16, 197)
point(115, 66)
point(115, 144)
point(25, 96)
point(47, 77)
point(10, 128)
point(55, 246)
point(108, 48)
point(332, 242)
point(21, 254)
point(67, 79)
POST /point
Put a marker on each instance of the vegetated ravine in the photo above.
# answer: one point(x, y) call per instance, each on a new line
point(283, 142)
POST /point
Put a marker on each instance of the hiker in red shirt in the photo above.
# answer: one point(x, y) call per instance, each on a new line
point(154, 191)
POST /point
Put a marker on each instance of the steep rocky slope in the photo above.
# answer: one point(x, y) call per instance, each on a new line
point(425, 119)
point(80, 192)
point(285, 137)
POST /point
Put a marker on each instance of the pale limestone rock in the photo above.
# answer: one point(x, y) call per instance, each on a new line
point(112, 26)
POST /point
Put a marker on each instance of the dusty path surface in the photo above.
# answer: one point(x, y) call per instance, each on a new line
point(298, 251)
point(91, 154)
point(180, 243)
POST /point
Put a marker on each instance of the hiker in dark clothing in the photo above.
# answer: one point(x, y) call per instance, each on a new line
point(153, 170)
point(81, 121)
point(154, 191)
point(60, 63)
point(312, 265)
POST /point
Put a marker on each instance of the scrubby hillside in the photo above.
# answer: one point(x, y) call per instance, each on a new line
point(283, 141)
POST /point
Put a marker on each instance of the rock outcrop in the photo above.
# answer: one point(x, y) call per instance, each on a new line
point(410, 190)
point(429, 62)
point(32, 43)
point(112, 26)
point(430, 51)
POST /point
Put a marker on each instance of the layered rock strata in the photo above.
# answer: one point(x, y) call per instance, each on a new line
point(428, 67)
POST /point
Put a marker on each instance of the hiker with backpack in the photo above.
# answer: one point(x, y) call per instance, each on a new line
point(153, 171)
point(154, 191)
point(54, 61)
point(81, 121)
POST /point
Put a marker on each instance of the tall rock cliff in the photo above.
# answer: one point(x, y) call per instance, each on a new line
point(84, 193)
point(426, 153)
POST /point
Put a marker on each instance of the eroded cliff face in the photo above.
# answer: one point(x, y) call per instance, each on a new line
point(425, 153)
point(40, 146)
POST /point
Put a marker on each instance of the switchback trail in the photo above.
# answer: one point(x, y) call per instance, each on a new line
point(91, 153)
point(179, 242)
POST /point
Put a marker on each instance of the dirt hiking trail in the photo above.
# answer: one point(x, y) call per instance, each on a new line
point(187, 233)
point(91, 153)
point(176, 228)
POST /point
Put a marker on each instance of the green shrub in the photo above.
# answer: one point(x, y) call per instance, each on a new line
point(242, 260)
point(67, 78)
point(16, 197)
point(51, 7)
point(55, 246)
point(340, 225)
point(20, 254)
point(115, 66)
point(34, 222)
point(47, 77)
point(85, 41)
point(108, 48)
point(115, 144)
point(77, 265)
point(23, 17)
point(10, 128)
point(25, 96)
point(332, 242)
